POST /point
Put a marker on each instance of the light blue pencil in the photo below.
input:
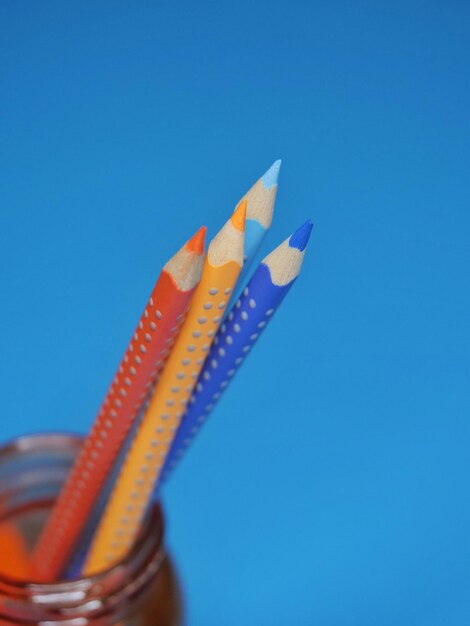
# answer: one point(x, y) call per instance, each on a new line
point(259, 215)
point(245, 323)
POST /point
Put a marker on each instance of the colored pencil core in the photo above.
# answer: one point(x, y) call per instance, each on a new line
point(300, 238)
point(196, 243)
point(239, 216)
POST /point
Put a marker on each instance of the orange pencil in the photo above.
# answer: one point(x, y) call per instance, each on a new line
point(130, 497)
point(142, 362)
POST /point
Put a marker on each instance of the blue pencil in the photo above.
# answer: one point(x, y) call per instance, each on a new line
point(244, 325)
point(259, 215)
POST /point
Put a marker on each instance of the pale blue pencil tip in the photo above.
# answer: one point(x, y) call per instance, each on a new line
point(270, 177)
point(301, 236)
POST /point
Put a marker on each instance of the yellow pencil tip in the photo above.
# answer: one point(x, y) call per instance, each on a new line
point(239, 216)
point(196, 243)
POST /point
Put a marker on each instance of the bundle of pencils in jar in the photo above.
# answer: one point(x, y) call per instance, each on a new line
point(203, 318)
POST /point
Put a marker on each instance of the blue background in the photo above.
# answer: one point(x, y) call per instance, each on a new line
point(331, 486)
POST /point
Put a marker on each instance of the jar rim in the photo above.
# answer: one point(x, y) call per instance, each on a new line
point(146, 552)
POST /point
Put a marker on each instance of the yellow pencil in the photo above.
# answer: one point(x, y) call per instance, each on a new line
point(130, 497)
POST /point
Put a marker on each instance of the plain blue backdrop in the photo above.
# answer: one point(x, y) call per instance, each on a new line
point(332, 484)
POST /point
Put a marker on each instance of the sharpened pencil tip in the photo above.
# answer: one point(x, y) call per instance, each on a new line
point(270, 177)
point(196, 243)
point(301, 236)
point(239, 216)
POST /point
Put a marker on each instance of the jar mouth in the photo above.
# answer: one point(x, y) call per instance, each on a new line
point(149, 541)
point(146, 554)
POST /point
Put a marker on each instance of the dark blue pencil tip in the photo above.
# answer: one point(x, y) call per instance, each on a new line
point(301, 236)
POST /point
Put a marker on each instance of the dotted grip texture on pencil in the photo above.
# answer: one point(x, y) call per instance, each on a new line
point(234, 341)
point(245, 323)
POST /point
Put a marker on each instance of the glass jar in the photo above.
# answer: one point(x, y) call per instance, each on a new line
point(142, 590)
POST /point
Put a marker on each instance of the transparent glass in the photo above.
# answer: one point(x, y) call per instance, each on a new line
point(142, 590)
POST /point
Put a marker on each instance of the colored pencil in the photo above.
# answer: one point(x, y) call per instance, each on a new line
point(142, 362)
point(245, 323)
point(131, 495)
point(260, 201)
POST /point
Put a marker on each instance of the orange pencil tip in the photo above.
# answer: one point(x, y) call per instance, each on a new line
point(196, 243)
point(239, 215)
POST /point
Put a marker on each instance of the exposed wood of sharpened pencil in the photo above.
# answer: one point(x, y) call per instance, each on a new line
point(260, 201)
